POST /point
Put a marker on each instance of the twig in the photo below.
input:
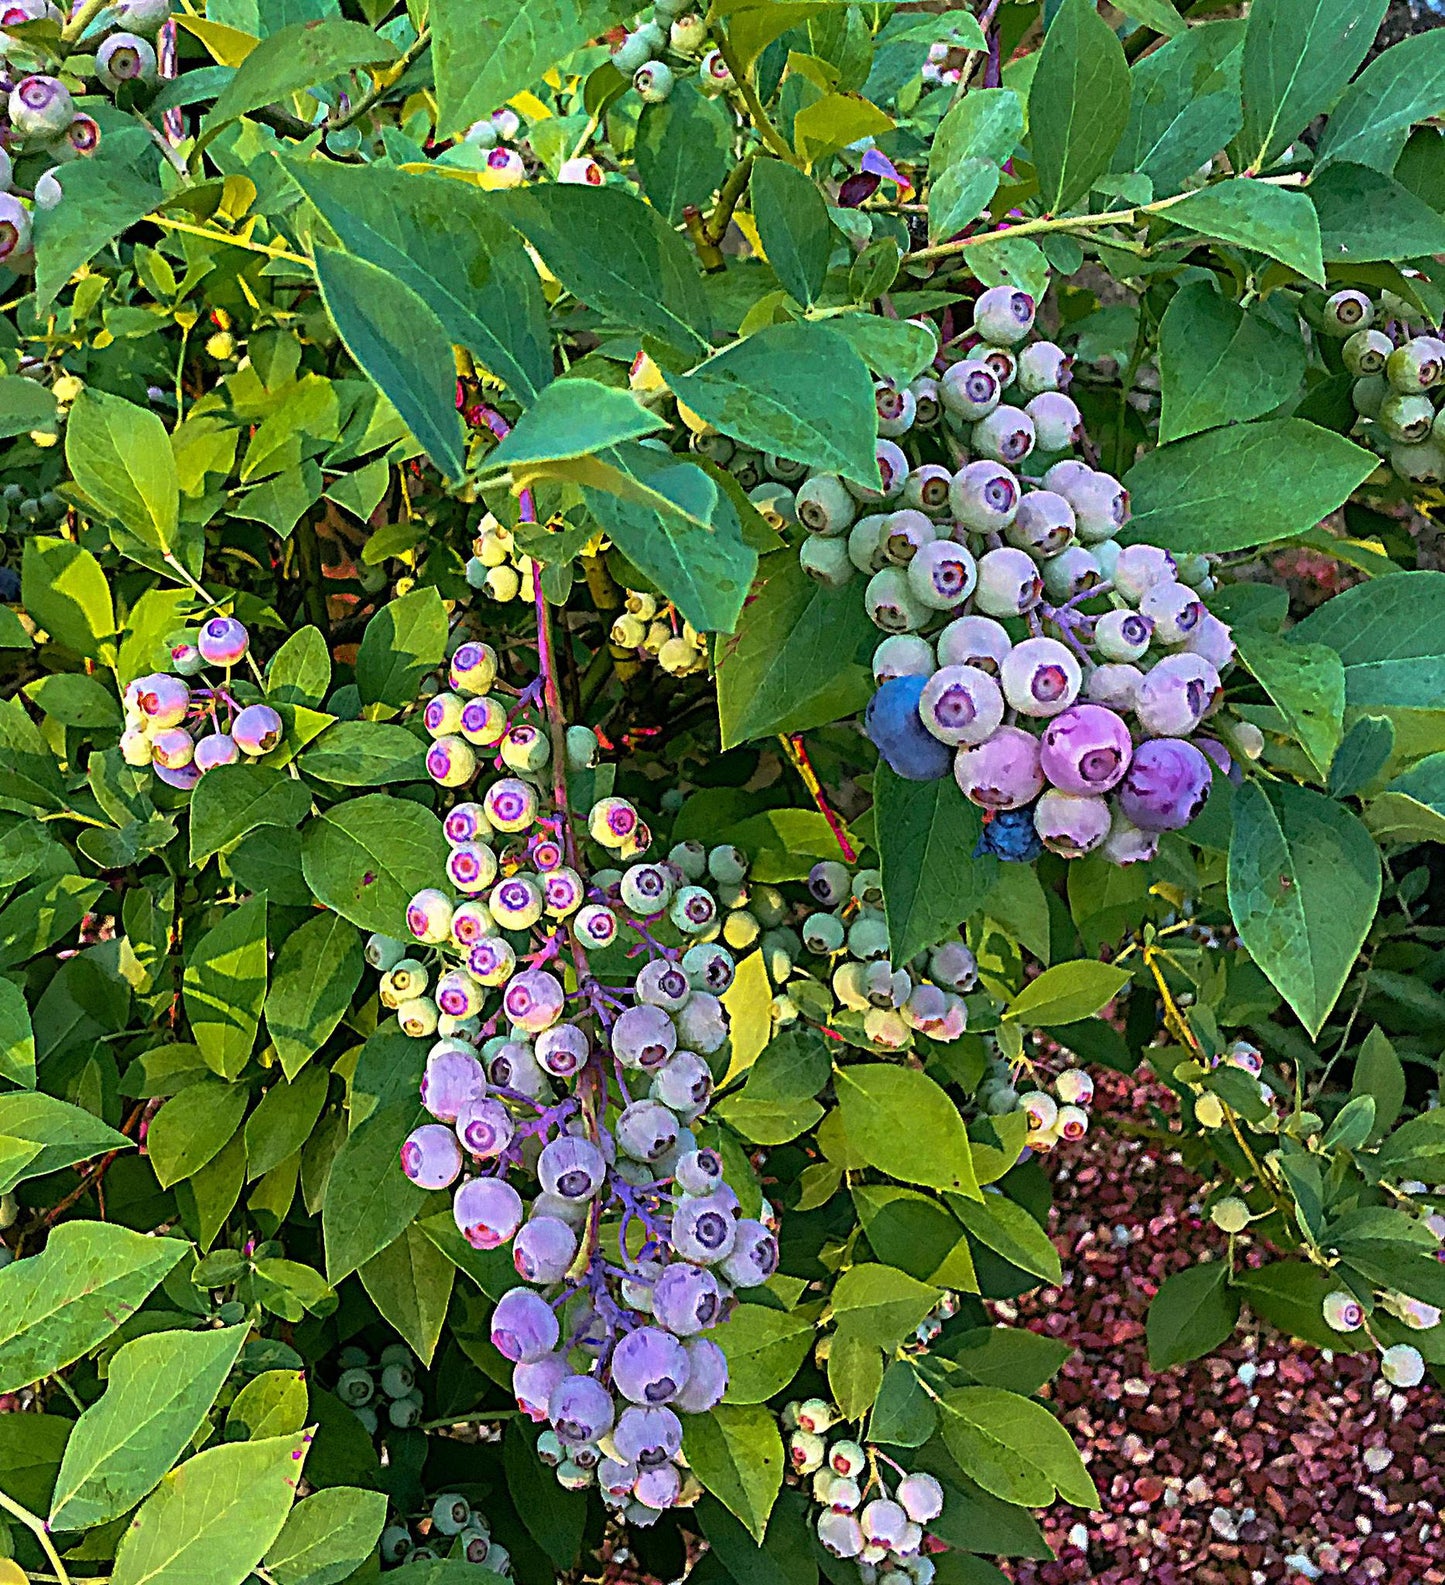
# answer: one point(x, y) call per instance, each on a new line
point(37, 1528)
point(797, 754)
point(766, 130)
point(383, 82)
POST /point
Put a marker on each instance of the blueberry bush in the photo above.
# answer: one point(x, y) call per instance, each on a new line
point(631, 641)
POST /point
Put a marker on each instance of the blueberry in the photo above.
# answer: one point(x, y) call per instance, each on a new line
point(1086, 750)
point(431, 1156)
point(1058, 423)
point(707, 1377)
point(1166, 785)
point(969, 391)
point(1009, 583)
point(580, 1409)
point(686, 1299)
point(1042, 367)
point(1071, 824)
point(1007, 435)
point(571, 1168)
point(754, 1255)
point(1002, 773)
point(524, 1327)
point(484, 1126)
point(976, 641)
point(1043, 524)
point(1176, 695)
point(1003, 315)
point(825, 505)
point(125, 58)
point(893, 723)
point(1347, 311)
point(257, 729)
point(1366, 351)
point(543, 1251)
point(1009, 834)
point(960, 704)
point(1040, 677)
point(942, 575)
point(488, 1212)
point(41, 108)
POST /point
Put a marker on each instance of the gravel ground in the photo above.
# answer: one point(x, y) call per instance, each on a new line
point(1266, 1463)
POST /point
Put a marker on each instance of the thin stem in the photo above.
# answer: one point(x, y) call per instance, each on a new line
point(269, 249)
point(383, 82)
point(88, 12)
point(1047, 224)
point(797, 754)
point(766, 130)
point(1126, 385)
point(36, 1526)
point(728, 198)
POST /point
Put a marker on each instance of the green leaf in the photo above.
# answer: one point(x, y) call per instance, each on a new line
point(294, 58)
point(192, 1127)
point(1276, 221)
point(915, 1233)
point(855, 1371)
point(57, 1305)
point(904, 1124)
point(1298, 54)
point(404, 641)
point(1245, 485)
point(368, 857)
point(73, 699)
point(282, 1122)
point(1220, 363)
point(25, 404)
point(1304, 880)
point(932, 882)
point(271, 1404)
point(1366, 217)
point(737, 1454)
point(1068, 992)
point(683, 532)
point(158, 1391)
point(573, 418)
point(314, 978)
point(45, 914)
point(443, 239)
point(797, 390)
point(410, 1282)
point(62, 1134)
point(1184, 107)
point(63, 587)
point(793, 224)
point(31, 1448)
point(554, 1519)
point(882, 1303)
point(401, 346)
point(224, 986)
point(232, 800)
point(368, 1203)
point(1372, 120)
point(103, 198)
point(1306, 681)
point(212, 1520)
point(1078, 104)
point(764, 1349)
point(798, 658)
point(120, 456)
point(1157, 14)
point(1008, 1230)
point(487, 50)
point(327, 1536)
point(1390, 635)
point(365, 754)
point(1014, 1448)
point(1289, 1294)
point(299, 673)
point(684, 149)
point(1006, 1356)
point(1193, 1312)
point(903, 1415)
point(973, 140)
point(17, 1038)
point(616, 254)
point(1363, 753)
point(896, 349)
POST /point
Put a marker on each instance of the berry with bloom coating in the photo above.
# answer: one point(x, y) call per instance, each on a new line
point(707, 1377)
point(893, 723)
point(1175, 695)
point(754, 1256)
point(1058, 423)
point(806, 1451)
point(1071, 825)
point(543, 1251)
point(902, 655)
point(533, 1000)
point(984, 496)
point(686, 1299)
point(653, 81)
point(1073, 1123)
point(1139, 568)
point(972, 641)
point(488, 1212)
point(161, 699)
point(891, 604)
point(1006, 435)
point(1003, 315)
point(1042, 366)
point(1343, 1312)
point(1040, 677)
point(1043, 525)
point(646, 1130)
point(1122, 635)
point(257, 729)
point(1166, 785)
point(942, 575)
point(1009, 583)
point(484, 1126)
point(683, 1083)
point(431, 1156)
point(643, 1037)
point(921, 1497)
point(1402, 1365)
point(580, 1410)
point(581, 171)
point(1174, 609)
point(524, 1327)
point(562, 1050)
point(216, 748)
point(222, 641)
point(1001, 773)
point(1113, 685)
point(125, 58)
point(969, 390)
point(649, 1366)
point(473, 668)
point(1074, 1087)
point(40, 108)
point(840, 1534)
point(1366, 351)
point(571, 1168)
point(429, 916)
point(960, 704)
point(846, 1458)
point(1086, 750)
point(703, 1229)
point(1347, 311)
point(825, 505)
point(595, 926)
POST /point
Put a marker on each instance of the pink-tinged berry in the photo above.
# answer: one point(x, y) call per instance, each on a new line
point(1074, 1087)
point(222, 641)
point(1073, 1123)
point(1002, 772)
point(172, 748)
point(1069, 824)
point(471, 867)
point(452, 1077)
point(534, 1000)
point(1126, 844)
point(562, 1050)
point(595, 926)
point(1174, 609)
point(82, 136)
point(484, 1126)
point(581, 171)
point(1040, 677)
point(216, 748)
point(14, 228)
point(458, 994)
point(182, 777)
point(533, 1385)
point(257, 729)
point(612, 822)
point(431, 1156)
point(921, 1497)
point(1086, 750)
point(510, 804)
point(506, 168)
point(163, 700)
point(524, 1326)
point(429, 917)
point(492, 960)
point(488, 1212)
point(473, 668)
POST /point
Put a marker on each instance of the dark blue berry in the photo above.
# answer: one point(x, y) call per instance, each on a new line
point(893, 723)
point(1009, 834)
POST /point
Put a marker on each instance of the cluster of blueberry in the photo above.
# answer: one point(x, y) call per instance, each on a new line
point(1022, 635)
point(633, 1243)
point(1062, 1117)
point(657, 630)
point(849, 929)
point(452, 1520)
point(496, 567)
point(386, 1385)
point(861, 1519)
point(182, 731)
point(674, 33)
point(1397, 364)
point(44, 129)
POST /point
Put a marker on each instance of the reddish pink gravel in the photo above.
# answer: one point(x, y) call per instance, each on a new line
point(1267, 1463)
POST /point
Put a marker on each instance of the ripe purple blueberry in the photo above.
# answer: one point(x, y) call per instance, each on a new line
point(431, 1156)
point(257, 729)
point(1086, 750)
point(524, 1327)
point(222, 641)
point(1166, 785)
point(488, 1212)
point(1001, 773)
